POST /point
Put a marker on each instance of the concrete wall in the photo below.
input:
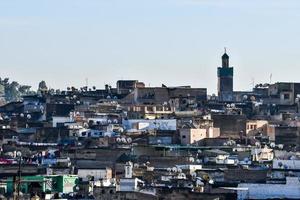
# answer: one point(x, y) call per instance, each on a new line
point(96, 173)
point(191, 136)
point(230, 125)
point(288, 136)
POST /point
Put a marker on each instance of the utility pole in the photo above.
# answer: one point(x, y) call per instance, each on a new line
point(17, 183)
point(19, 174)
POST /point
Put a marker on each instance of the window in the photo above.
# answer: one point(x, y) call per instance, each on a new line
point(183, 137)
point(286, 96)
point(149, 108)
point(159, 108)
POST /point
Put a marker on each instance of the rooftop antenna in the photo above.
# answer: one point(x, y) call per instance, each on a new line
point(271, 75)
point(86, 82)
point(252, 82)
point(225, 49)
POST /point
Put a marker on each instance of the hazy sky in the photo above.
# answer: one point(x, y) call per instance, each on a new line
point(175, 42)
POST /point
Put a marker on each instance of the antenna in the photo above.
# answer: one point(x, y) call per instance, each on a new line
point(271, 75)
point(225, 49)
point(86, 82)
point(252, 82)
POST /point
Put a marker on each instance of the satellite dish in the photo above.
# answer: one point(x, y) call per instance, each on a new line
point(252, 98)
point(194, 174)
point(272, 145)
point(129, 140)
point(118, 140)
point(174, 169)
point(124, 140)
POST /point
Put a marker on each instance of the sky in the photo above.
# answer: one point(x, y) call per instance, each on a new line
point(174, 42)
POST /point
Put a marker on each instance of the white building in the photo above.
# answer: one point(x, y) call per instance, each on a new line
point(129, 185)
point(98, 174)
point(56, 120)
point(262, 154)
point(290, 190)
point(150, 124)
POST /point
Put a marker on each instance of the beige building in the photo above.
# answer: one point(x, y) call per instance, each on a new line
point(193, 135)
point(149, 111)
point(253, 126)
point(262, 126)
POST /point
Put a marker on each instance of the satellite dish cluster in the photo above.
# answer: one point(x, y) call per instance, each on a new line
point(230, 105)
point(230, 143)
point(124, 140)
point(174, 170)
point(28, 116)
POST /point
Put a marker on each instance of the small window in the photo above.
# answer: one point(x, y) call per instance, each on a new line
point(183, 137)
point(159, 108)
point(286, 96)
point(149, 108)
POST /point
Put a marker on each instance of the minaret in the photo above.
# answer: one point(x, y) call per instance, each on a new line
point(225, 59)
point(225, 80)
